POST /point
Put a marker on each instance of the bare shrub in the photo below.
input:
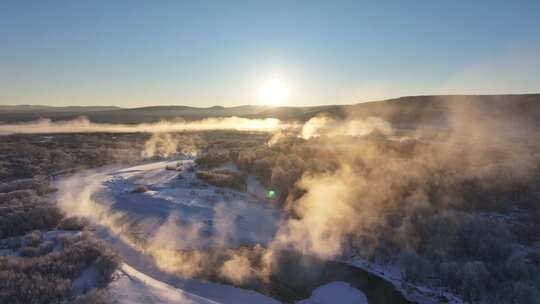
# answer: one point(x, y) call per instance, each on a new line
point(72, 223)
point(94, 296)
point(28, 251)
point(524, 293)
point(28, 218)
point(223, 178)
point(32, 239)
point(513, 292)
point(450, 276)
point(482, 239)
point(107, 264)
point(42, 249)
point(16, 194)
point(20, 287)
point(475, 278)
point(415, 268)
point(212, 159)
point(139, 189)
point(54, 271)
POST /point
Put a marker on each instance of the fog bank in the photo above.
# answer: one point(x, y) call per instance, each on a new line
point(83, 125)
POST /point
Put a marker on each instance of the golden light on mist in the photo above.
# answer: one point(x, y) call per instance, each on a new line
point(273, 92)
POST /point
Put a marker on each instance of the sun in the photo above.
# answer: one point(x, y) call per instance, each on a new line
point(273, 92)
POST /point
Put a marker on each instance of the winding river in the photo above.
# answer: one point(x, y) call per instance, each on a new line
point(172, 195)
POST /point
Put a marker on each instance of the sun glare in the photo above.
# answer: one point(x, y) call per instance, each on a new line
point(273, 92)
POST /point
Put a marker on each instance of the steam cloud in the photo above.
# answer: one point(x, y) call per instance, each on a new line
point(83, 125)
point(350, 206)
point(167, 144)
point(323, 125)
point(354, 205)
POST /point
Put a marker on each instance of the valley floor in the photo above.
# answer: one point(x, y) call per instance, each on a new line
point(155, 202)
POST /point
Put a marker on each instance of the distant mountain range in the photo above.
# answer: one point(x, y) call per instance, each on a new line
point(403, 110)
point(26, 108)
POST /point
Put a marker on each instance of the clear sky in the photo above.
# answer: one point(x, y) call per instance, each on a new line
point(204, 53)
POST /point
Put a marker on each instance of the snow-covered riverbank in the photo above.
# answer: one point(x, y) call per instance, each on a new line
point(417, 293)
point(163, 203)
point(207, 216)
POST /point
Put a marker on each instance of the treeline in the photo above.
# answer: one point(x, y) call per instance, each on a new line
point(455, 213)
point(43, 253)
point(449, 213)
point(277, 167)
point(27, 156)
point(471, 256)
point(223, 178)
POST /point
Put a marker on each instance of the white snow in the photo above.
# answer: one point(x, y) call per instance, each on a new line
point(86, 281)
point(230, 166)
point(246, 218)
point(52, 235)
point(182, 200)
point(254, 187)
point(336, 292)
point(133, 286)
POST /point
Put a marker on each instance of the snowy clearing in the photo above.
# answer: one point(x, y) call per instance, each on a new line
point(181, 197)
point(183, 201)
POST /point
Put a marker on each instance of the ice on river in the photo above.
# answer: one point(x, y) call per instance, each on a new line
point(336, 292)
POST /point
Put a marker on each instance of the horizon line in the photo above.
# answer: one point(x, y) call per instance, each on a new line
point(259, 105)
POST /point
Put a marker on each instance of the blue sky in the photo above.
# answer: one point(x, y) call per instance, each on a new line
point(204, 53)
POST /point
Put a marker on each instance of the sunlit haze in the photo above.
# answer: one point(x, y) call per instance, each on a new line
point(206, 53)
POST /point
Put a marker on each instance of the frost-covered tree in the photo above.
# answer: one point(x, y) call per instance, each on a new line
point(415, 268)
point(475, 278)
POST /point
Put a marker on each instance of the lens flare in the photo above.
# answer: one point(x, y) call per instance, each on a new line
point(270, 194)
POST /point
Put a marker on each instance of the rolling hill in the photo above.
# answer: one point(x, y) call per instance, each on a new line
point(403, 110)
